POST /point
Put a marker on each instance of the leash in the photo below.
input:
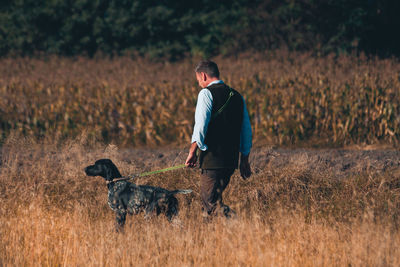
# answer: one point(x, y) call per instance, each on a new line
point(159, 171)
point(132, 176)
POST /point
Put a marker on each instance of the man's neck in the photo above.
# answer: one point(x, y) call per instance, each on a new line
point(212, 80)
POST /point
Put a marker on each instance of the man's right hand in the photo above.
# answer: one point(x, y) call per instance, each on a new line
point(245, 170)
point(192, 157)
point(191, 160)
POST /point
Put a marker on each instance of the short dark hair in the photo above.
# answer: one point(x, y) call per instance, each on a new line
point(209, 67)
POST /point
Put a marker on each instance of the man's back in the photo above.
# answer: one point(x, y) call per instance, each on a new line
point(223, 133)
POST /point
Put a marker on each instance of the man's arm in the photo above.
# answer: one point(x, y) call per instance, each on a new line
point(202, 118)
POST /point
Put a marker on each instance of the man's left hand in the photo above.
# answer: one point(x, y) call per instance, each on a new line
point(245, 170)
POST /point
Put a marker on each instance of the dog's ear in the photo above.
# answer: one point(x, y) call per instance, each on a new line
point(115, 172)
point(108, 174)
point(111, 171)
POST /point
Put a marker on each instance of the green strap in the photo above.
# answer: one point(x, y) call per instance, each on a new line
point(131, 176)
point(231, 93)
point(162, 170)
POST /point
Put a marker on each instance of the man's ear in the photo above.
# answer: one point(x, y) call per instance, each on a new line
point(204, 76)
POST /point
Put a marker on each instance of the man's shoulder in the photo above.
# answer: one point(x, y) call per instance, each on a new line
point(205, 95)
point(205, 91)
point(236, 93)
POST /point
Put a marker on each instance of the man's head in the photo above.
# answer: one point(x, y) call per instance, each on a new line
point(206, 72)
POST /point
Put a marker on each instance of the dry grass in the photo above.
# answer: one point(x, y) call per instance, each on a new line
point(293, 98)
point(300, 208)
point(296, 210)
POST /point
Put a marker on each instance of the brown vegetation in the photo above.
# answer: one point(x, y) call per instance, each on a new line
point(293, 98)
point(300, 208)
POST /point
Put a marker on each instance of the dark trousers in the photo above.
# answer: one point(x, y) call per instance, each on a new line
point(212, 183)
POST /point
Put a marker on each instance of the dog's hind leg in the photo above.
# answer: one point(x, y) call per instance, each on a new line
point(172, 208)
point(120, 217)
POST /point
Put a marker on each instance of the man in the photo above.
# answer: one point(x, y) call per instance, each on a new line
point(222, 130)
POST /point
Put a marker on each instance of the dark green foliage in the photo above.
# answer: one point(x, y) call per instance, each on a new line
point(171, 29)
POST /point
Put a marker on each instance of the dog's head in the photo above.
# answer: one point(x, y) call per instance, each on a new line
point(104, 168)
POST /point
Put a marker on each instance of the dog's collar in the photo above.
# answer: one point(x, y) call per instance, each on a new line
point(118, 179)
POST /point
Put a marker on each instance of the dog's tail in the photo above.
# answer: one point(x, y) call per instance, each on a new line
point(181, 191)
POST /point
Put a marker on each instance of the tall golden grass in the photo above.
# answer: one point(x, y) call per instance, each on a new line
point(293, 98)
point(56, 113)
point(298, 214)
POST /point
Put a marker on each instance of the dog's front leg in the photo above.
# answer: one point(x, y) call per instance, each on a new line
point(120, 217)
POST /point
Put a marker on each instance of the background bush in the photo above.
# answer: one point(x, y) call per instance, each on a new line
point(172, 29)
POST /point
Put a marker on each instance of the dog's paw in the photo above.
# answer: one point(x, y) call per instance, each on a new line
point(147, 216)
point(176, 222)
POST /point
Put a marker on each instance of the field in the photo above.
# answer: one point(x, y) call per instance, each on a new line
point(293, 98)
point(325, 188)
point(300, 208)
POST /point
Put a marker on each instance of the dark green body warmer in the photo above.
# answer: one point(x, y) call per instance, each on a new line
point(223, 132)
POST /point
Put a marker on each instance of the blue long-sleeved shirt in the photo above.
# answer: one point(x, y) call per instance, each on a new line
point(202, 118)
